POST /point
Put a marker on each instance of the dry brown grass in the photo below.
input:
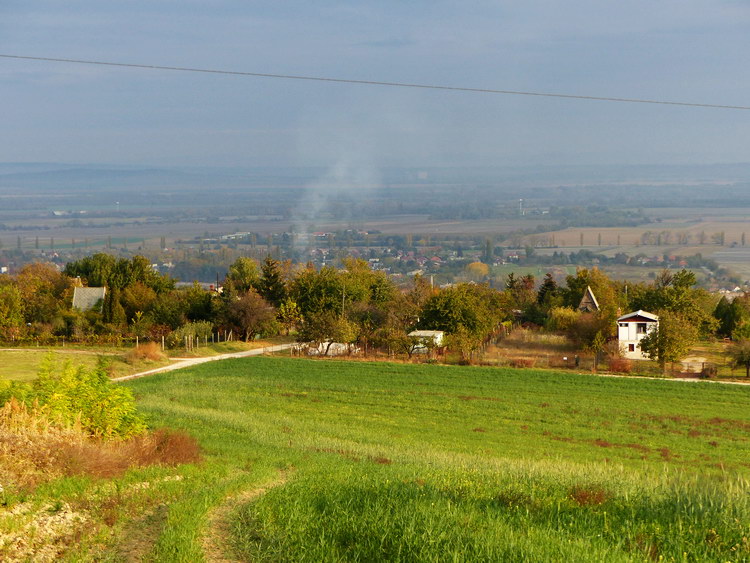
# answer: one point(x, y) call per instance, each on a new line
point(620, 365)
point(148, 351)
point(522, 362)
point(35, 450)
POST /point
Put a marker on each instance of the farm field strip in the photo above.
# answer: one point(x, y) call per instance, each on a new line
point(422, 462)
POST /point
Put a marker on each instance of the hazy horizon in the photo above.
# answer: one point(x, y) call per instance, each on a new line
point(69, 113)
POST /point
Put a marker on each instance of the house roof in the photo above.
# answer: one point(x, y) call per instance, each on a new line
point(86, 298)
point(639, 315)
point(423, 333)
point(588, 301)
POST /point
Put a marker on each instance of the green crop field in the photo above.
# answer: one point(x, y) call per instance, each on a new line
point(375, 461)
point(328, 460)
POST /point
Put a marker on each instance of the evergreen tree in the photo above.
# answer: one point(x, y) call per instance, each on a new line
point(271, 285)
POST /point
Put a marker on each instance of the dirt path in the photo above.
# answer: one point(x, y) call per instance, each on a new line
point(187, 362)
point(217, 532)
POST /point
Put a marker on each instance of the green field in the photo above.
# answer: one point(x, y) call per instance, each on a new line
point(315, 460)
point(23, 364)
point(403, 462)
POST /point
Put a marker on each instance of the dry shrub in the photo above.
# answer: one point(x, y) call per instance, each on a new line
point(522, 362)
point(34, 450)
point(165, 447)
point(589, 495)
point(150, 351)
point(31, 446)
point(620, 365)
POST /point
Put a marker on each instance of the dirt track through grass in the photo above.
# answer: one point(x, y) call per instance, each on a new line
point(217, 535)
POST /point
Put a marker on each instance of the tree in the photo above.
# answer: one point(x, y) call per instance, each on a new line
point(243, 274)
point(472, 312)
point(670, 340)
point(547, 295)
point(11, 311)
point(326, 327)
point(477, 271)
point(271, 284)
point(46, 292)
point(739, 354)
point(730, 315)
point(251, 315)
point(289, 315)
point(674, 292)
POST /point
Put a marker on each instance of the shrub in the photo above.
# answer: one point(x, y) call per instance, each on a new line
point(201, 329)
point(561, 319)
point(522, 362)
point(35, 448)
point(150, 351)
point(71, 395)
point(620, 365)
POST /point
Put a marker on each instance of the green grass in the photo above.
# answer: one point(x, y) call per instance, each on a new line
point(416, 462)
point(23, 364)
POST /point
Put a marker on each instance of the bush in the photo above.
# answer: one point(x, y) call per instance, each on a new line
point(522, 362)
point(70, 395)
point(149, 351)
point(201, 329)
point(34, 448)
point(620, 365)
point(561, 319)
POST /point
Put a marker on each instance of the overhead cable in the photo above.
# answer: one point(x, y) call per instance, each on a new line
point(379, 83)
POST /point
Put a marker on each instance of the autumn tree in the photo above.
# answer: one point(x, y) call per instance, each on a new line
point(670, 340)
point(11, 310)
point(326, 327)
point(46, 293)
point(251, 315)
point(477, 271)
point(289, 315)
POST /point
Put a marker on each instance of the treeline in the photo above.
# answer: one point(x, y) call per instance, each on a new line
point(352, 305)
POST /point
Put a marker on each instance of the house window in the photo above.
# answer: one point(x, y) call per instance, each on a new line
point(624, 325)
point(631, 347)
point(640, 328)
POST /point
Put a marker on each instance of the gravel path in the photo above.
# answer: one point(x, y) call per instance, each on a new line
point(187, 362)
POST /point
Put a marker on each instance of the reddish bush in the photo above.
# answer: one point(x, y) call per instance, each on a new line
point(589, 495)
point(146, 351)
point(522, 362)
point(620, 365)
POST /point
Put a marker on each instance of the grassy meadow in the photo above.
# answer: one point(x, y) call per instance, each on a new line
point(23, 364)
point(329, 460)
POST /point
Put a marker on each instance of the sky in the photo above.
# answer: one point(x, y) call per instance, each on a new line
point(694, 51)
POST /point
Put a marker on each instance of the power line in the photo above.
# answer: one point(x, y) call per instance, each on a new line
point(378, 83)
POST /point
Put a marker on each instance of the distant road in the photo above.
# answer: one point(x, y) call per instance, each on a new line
point(187, 362)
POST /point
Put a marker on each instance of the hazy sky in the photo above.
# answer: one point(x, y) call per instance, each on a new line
point(696, 51)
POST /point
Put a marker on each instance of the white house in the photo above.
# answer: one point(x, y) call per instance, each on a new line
point(631, 329)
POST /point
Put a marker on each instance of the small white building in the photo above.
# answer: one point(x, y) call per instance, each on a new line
point(425, 340)
point(631, 329)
